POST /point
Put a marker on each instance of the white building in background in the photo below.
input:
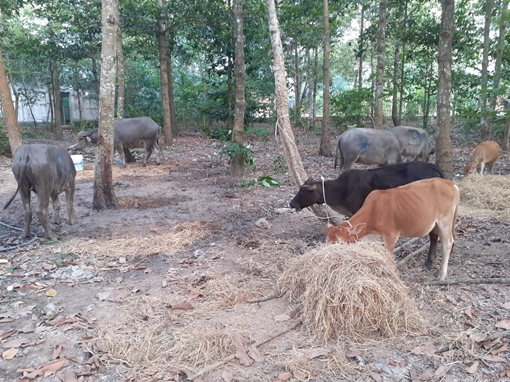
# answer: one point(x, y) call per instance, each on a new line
point(70, 111)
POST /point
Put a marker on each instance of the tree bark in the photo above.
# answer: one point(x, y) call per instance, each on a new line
point(325, 147)
point(314, 85)
point(297, 86)
point(237, 163)
point(394, 98)
point(104, 195)
point(379, 79)
point(163, 70)
point(361, 47)
point(171, 99)
point(57, 100)
point(497, 65)
point(484, 128)
point(11, 118)
point(121, 80)
point(444, 154)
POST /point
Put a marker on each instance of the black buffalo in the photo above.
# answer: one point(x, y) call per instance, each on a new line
point(46, 170)
point(347, 193)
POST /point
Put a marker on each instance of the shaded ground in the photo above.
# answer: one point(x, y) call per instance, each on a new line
point(189, 236)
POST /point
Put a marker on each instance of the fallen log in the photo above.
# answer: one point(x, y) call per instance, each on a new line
point(412, 254)
point(470, 281)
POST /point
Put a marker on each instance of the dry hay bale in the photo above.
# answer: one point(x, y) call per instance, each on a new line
point(350, 290)
point(487, 195)
point(160, 240)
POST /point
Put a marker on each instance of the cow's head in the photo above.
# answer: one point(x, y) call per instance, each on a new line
point(309, 194)
point(470, 168)
point(344, 232)
point(84, 138)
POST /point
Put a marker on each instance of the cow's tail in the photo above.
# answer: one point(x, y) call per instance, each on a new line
point(11, 199)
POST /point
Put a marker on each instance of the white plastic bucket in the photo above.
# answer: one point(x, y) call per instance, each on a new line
point(78, 162)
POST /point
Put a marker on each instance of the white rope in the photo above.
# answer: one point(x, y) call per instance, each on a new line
point(277, 125)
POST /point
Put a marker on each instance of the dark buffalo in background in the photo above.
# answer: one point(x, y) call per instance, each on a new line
point(347, 193)
point(129, 133)
point(368, 146)
point(46, 170)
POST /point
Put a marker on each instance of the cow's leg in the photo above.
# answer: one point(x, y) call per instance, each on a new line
point(70, 202)
point(120, 150)
point(389, 242)
point(43, 201)
point(56, 207)
point(491, 166)
point(432, 249)
point(24, 192)
point(482, 165)
point(446, 234)
point(157, 153)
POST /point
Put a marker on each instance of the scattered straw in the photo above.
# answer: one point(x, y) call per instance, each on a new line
point(162, 240)
point(350, 290)
point(140, 202)
point(486, 196)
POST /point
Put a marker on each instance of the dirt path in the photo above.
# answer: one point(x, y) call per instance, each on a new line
point(157, 289)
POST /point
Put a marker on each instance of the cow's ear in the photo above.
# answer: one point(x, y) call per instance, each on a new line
point(309, 180)
point(357, 228)
point(309, 187)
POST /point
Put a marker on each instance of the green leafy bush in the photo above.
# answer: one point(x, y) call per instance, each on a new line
point(265, 181)
point(5, 146)
point(236, 150)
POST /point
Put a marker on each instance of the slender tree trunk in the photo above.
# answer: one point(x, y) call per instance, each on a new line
point(80, 111)
point(394, 98)
point(444, 154)
point(484, 128)
point(230, 92)
point(297, 87)
point(58, 102)
point(163, 70)
point(325, 147)
point(314, 90)
point(379, 79)
point(402, 62)
point(95, 75)
point(171, 99)
point(50, 101)
point(237, 163)
point(104, 195)
point(11, 119)
point(497, 65)
point(121, 80)
point(361, 47)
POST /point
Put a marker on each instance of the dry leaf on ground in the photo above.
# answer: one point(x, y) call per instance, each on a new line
point(473, 368)
point(505, 324)
point(10, 354)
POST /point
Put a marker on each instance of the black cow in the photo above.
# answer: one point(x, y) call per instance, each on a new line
point(347, 193)
point(46, 170)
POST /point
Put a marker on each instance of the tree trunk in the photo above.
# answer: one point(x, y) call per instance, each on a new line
point(163, 70)
point(379, 79)
point(51, 109)
point(444, 154)
point(121, 80)
point(104, 195)
point(171, 99)
point(230, 92)
point(402, 62)
point(297, 87)
point(314, 90)
point(237, 163)
point(484, 128)
point(57, 100)
point(394, 98)
point(361, 47)
point(497, 65)
point(78, 97)
point(325, 147)
point(290, 151)
point(11, 119)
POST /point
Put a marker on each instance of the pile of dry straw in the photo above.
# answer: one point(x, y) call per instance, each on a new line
point(350, 290)
point(486, 196)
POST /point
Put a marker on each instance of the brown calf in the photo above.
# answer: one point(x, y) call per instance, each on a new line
point(423, 207)
point(486, 153)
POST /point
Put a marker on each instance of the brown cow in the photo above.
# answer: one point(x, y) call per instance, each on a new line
point(416, 209)
point(486, 153)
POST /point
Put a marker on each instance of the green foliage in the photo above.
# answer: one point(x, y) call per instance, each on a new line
point(236, 150)
point(265, 181)
point(5, 147)
point(78, 126)
point(217, 133)
point(350, 106)
point(259, 131)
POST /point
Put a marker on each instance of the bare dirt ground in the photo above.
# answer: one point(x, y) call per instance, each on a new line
point(157, 290)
